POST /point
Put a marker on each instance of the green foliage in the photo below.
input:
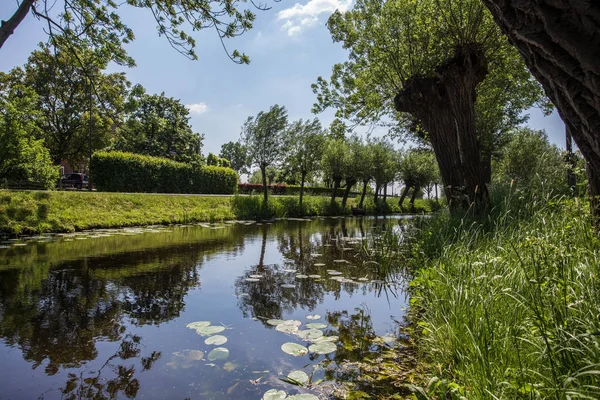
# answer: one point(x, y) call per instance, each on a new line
point(254, 207)
point(530, 162)
point(23, 158)
point(508, 305)
point(336, 160)
point(304, 142)
point(99, 23)
point(213, 160)
point(158, 126)
point(385, 161)
point(237, 154)
point(263, 137)
point(418, 168)
point(61, 79)
point(128, 172)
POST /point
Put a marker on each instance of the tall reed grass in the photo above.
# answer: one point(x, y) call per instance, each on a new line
point(508, 307)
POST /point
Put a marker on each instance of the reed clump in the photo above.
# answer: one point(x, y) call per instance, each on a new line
point(508, 306)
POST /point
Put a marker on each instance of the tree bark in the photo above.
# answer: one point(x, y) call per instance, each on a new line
point(403, 195)
point(445, 105)
point(349, 184)
point(8, 27)
point(364, 192)
point(303, 177)
point(412, 198)
point(336, 185)
point(376, 194)
point(385, 192)
point(559, 42)
point(263, 172)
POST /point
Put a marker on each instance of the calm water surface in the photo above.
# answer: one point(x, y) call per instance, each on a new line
point(104, 314)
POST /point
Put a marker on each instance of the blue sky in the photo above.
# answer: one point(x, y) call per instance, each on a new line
point(289, 48)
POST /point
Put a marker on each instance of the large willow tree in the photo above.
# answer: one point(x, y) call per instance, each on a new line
point(422, 61)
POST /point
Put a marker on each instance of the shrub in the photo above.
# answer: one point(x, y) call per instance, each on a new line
point(128, 172)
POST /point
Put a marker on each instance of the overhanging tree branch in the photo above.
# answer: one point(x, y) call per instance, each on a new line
point(8, 27)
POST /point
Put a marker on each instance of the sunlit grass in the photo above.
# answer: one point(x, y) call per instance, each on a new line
point(508, 307)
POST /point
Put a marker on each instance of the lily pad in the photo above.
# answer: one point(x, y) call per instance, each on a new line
point(319, 264)
point(314, 276)
point(299, 376)
point(288, 285)
point(252, 280)
point(326, 339)
point(294, 349)
point(316, 255)
point(210, 330)
point(220, 353)
point(316, 325)
point(341, 261)
point(286, 328)
point(332, 272)
point(216, 340)
point(313, 316)
point(275, 322)
point(198, 324)
point(301, 276)
point(321, 348)
point(363, 279)
point(310, 334)
point(274, 394)
point(303, 396)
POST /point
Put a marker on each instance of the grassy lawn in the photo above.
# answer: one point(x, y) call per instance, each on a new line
point(57, 211)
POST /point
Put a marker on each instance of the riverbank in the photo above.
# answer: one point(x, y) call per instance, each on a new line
point(26, 212)
point(507, 307)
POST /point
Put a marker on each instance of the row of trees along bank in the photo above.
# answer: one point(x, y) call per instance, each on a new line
point(421, 62)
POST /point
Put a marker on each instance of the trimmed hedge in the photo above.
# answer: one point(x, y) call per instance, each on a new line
point(127, 172)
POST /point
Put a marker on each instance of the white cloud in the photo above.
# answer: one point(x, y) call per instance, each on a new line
point(197, 108)
point(301, 16)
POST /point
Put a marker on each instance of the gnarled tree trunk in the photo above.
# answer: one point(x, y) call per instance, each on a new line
point(349, 184)
point(445, 106)
point(403, 195)
point(560, 43)
point(364, 192)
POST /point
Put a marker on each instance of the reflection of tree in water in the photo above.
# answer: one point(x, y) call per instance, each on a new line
point(60, 319)
point(266, 298)
point(99, 385)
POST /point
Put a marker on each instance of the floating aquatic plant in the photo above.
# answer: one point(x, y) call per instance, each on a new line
point(294, 349)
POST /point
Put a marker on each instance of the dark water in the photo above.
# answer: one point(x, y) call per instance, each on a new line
point(104, 315)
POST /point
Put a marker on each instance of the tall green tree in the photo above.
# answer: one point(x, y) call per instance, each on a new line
point(237, 154)
point(99, 22)
point(335, 163)
point(66, 96)
point(417, 170)
point(385, 166)
point(22, 157)
point(157, 125)
point(263, 137)
point(529, 161)
point(304, 149)
point(424, 58)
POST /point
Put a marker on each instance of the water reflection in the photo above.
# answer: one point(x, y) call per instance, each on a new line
point(114, 377)
point(93, 314)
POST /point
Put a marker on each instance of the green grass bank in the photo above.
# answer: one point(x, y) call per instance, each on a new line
point(508, 307)
point(24, 212)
